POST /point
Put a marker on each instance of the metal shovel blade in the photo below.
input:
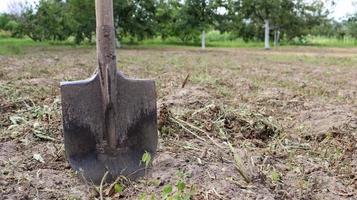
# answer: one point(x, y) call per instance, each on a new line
point(85, 126)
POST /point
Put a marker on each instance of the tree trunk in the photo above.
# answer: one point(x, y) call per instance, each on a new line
point(203, 39)
point(267, 32)
point(278, 37)
point(117, 43)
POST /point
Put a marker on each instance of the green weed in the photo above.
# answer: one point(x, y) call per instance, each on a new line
point(146, 159)
point(275, 176)
point(180, 191)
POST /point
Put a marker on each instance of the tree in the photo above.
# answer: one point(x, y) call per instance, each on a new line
point(11, 21)
point(304, 18)
point(223, 16)
point(184, 19)
point(263, 12)
point(351, 25)
point(4, 20)
point(49, 21)
point(290, 18)
point(195, 16)
point(135, 18)
point(82, 23)
point(53, 19)
point(166, 16)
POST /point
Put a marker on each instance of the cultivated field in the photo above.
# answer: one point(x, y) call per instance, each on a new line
point(247, 123)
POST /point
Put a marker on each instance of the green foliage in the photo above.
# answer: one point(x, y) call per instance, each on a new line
point(275, 176)
point(7, 23)
point(351, 26)
point(118, 187)
point(181, 191)
point(181, 185)
point(167, 191)
point(194, 17)
point(166, 16)
point(11, 25)
point(215, 36)
point(146, 159)
point(139, 20)
point(50, 21)
point(145, 196)
point(53, 20)
point(292, 18)
point(4, 20)
point(135, 18)
point(82, 19)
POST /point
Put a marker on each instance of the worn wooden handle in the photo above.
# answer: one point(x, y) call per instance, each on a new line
point(105, 41)
point(107, 64)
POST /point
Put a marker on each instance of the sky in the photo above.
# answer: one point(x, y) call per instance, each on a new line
point(343, 7)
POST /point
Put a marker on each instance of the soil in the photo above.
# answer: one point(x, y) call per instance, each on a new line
point(249, 123)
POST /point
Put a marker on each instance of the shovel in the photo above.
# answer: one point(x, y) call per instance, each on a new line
point(109, 120)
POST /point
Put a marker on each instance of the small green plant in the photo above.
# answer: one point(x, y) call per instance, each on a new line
point(118, 188)
point(181, 185)
point(74, 198)
point(146, 159)
point(166, 192)
point(145, 196)
point(180, 192)
point(275, 176)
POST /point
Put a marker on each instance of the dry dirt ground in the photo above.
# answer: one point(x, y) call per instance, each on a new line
point(248, 124)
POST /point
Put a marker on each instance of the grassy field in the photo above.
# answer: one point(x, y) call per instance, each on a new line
point(332, 42)
point(248, 124)
point(18, 46)
point(15, 46)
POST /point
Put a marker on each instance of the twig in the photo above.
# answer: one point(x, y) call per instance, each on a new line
point(185, 81)
point(101, 185)
point(237, 183)
point(198, 129)
point(344, 194)
point(216, 193)
point(212, 177)
point(202, 109)
point(110, 190)
point(188, 130)
point(239, 165)
point(43, 136)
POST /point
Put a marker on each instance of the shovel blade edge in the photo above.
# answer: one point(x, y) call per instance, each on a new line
point(84, 127)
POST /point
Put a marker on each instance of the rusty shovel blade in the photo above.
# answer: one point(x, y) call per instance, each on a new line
point(84, 121)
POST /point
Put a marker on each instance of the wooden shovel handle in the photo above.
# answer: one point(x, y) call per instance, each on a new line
point(106, 44)
point(107, 65)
